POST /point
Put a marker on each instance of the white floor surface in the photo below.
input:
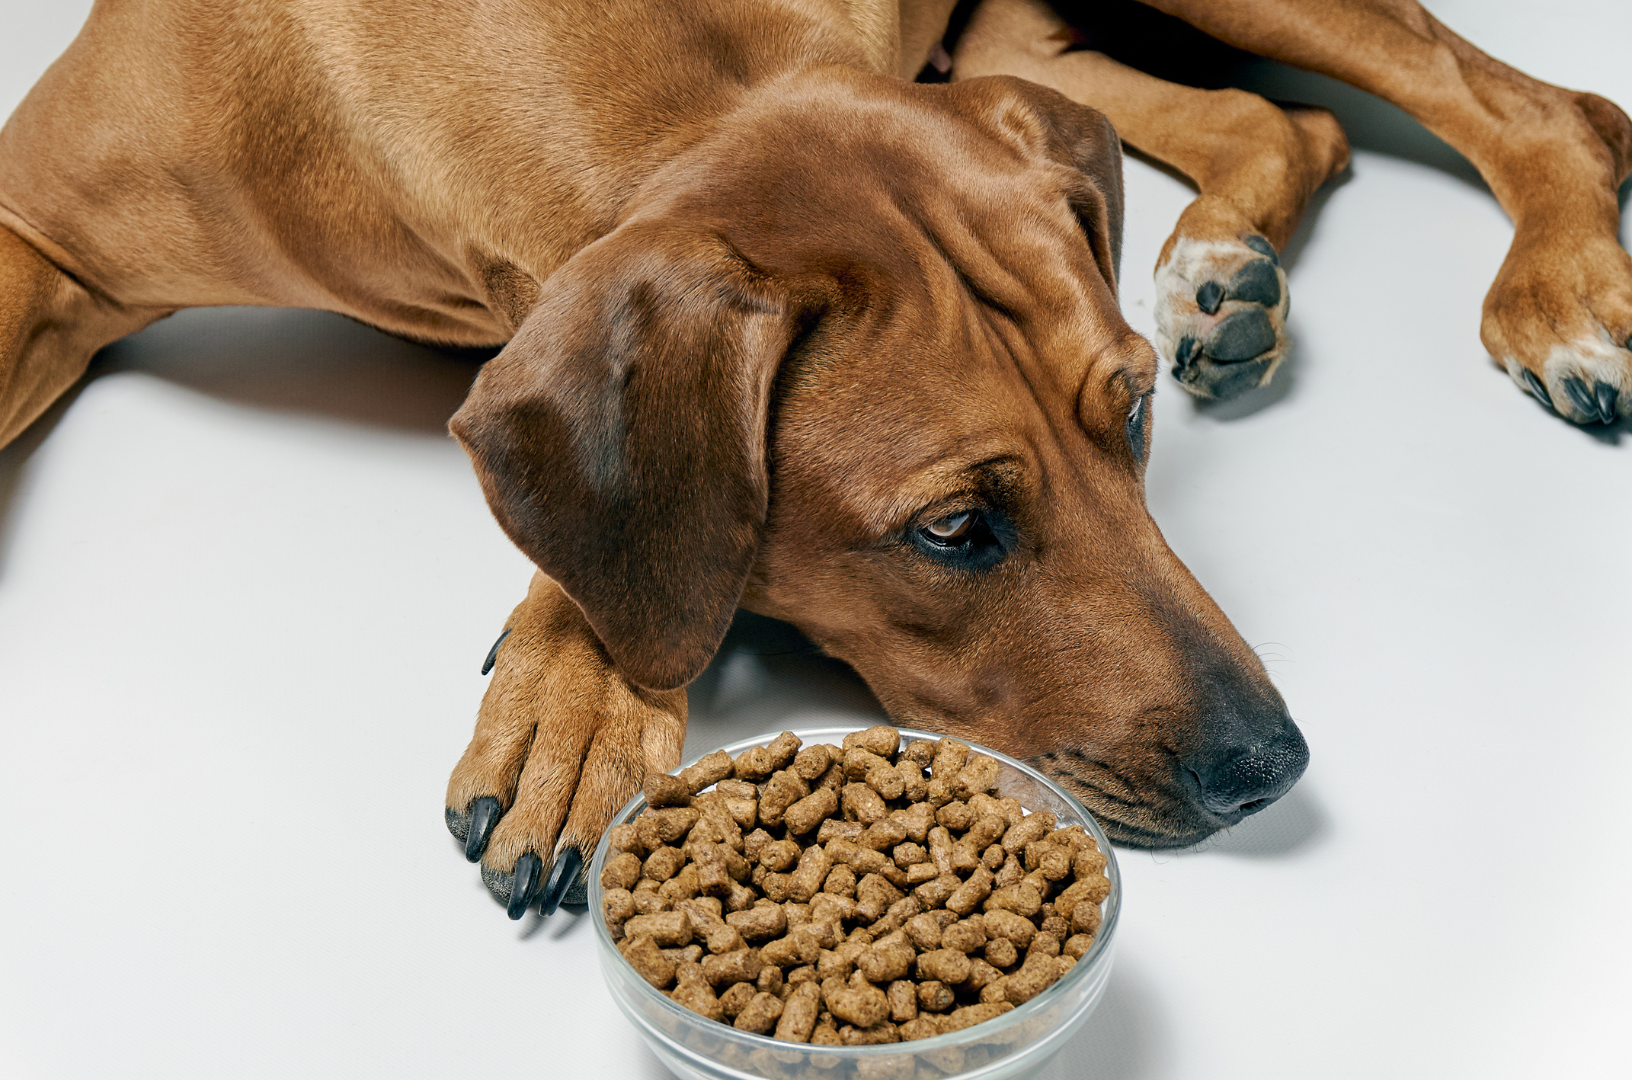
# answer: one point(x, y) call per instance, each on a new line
point(246, 582)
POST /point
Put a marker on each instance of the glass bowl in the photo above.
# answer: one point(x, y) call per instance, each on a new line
point(1017, 1044)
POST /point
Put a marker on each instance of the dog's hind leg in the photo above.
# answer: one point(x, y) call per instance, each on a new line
point(1221, 293)
point(50, 326)
point(1559, 316)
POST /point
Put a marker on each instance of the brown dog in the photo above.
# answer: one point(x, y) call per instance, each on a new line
point(785, 331)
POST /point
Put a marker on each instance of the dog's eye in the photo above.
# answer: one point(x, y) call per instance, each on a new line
point(968, 540)
point(1138, 440)
point(950, 530)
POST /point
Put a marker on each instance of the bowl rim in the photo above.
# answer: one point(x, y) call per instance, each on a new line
point(1097, 953)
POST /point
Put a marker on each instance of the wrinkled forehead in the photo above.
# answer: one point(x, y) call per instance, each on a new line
point(887, 418)
point(973, 318)
point(1011, 241)
point(989, 363)
point(995, 268)
point(924, 206)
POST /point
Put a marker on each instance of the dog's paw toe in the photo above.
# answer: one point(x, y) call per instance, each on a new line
point(1588, 383)
point(458, 822)
point(473, 826)
point(1242, 335)
point(1209, 296)
point(1559, 319)
point(1221, 314)
point(1594, 404)
point(1263, 247)
point(1258, 282)
point(533, 883)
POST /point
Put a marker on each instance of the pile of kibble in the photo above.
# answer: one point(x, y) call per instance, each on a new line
point(840, 896)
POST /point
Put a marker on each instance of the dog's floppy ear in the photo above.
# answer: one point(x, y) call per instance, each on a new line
point(620, 438)
point(1050, 126)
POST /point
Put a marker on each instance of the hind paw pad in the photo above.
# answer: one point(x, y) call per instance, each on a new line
point(1221, 314)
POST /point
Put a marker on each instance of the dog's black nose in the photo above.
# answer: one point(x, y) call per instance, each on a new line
point(1244, 778)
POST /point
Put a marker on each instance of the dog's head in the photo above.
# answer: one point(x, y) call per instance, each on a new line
point(855, 361)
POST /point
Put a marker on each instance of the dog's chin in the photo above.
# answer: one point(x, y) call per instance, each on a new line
point(1138, 836)
point(1158, 821)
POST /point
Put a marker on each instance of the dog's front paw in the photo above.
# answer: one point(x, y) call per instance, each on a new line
point(1560, 321)
point(562, 741)
point(1221, 313)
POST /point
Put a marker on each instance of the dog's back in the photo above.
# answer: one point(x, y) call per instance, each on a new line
point(417, 166)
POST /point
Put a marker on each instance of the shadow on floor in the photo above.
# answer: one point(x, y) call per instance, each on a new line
point(1292, 825)
point(769, 677)
point(311, 363)
point(314, 363)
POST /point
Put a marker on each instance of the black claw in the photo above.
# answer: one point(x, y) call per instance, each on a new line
point(1606, 395)
point(1187, 352)
point(1257, 283)
point(484, 814)
point(1209, 296)
point(562, 875)
point(524, 884)
point(1537, 388)
point(1264, 248)
point(1581, 398)
point(493, 653)
point(1242, 336)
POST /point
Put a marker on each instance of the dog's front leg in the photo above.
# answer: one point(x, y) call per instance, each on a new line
point(562, 741)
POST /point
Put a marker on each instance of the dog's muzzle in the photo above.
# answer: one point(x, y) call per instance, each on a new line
point(1244, 779)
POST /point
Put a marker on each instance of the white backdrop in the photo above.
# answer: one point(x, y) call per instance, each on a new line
point(246, 583)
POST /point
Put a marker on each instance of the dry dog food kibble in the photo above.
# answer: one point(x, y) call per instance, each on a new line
point(839, 895)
